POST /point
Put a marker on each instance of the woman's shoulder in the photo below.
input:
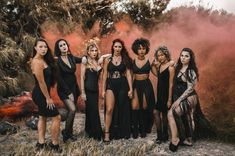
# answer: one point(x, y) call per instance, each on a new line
point(192, 74)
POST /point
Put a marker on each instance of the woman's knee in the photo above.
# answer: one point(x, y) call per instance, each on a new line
point(57, 118)
point(109, 111)
point(170, 114)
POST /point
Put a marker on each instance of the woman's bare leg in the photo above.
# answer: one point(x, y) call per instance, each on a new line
point(41, 129)
point(110, 100)
point(55, 129)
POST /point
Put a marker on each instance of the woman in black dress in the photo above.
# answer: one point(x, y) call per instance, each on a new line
point(184, 100)
point(90, 73)
point(165, 75)
point(43, 68)
point(143, 96)
point(117, 89)
point(67, 86)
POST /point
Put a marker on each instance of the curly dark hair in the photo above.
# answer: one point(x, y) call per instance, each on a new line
point(48, 59)
point(57, 47)
point(164, 50)
point(140, 42)
point(124, 53)
point(192, 64)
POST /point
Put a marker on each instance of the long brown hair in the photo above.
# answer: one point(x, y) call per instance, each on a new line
point(124, 53)
point(48, 58)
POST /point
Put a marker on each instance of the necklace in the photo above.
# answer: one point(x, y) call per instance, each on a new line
point(117, 59)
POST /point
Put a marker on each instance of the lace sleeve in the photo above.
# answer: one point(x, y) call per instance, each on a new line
point(190, 85)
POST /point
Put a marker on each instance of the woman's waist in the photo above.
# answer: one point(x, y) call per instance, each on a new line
point(140, 77)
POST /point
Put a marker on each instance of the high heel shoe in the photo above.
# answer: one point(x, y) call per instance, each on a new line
point(41, 146)
point(55, 148)
point(104, 140)
point(173, 147)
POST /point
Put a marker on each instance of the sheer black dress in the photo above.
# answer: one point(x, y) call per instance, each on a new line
point(185, 122)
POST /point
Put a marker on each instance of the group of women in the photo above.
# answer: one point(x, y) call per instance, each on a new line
point(126, 88)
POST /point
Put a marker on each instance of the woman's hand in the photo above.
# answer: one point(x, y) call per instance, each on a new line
point(71, 97)
point(83, 96)
point(50, 103)
point(176, 104)
point(169, 102)
point(103, 94)
point(155, 63)
point(130, 94)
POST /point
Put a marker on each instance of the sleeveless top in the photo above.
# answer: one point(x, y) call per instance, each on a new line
point(47, 78)
point(145, 69)
point(116, 71)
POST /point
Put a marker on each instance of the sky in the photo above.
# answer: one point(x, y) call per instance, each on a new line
point(228, 5)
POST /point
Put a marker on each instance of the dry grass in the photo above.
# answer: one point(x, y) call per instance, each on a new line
point(23, 142)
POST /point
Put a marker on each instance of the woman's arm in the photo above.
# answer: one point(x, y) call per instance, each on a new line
point(129, 79)
point(76, 59)
point(154, 67)
point(83, 70)
point(104, 77)
point(102, 58)
point(171, 78)
point(188, 91)
point(37, 69)
point(190, 85)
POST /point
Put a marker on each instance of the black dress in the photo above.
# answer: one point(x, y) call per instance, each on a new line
point(67, 81)
point(184, 123)
point(162, 90)
point(161, 105)
point(92, 125)
point(144, 88)
point(38, 97)
point(117, 82)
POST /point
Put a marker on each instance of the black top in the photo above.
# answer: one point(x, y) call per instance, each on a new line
point(116, 71)
point(145, 69)
point(180, 87)
point(47, 78)
point(67, 81)
point(91, 79)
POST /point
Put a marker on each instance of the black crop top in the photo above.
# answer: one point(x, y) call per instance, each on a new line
point(116, 71)
point(145, 69)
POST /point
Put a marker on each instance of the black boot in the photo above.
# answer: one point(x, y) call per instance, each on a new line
point(135, 128)
point(40, 146)
point(159, 136)
point(55, 148)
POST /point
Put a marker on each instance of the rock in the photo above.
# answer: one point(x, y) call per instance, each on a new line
point(8, 128)
point(32, 123)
